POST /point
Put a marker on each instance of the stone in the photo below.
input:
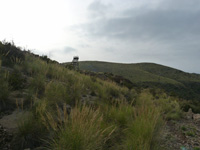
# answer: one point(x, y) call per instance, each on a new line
point(189, 114)
point(196, 117)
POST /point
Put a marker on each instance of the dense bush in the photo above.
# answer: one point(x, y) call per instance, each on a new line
point(57, 92)
point(37, 85)
point(16, 80)
point(30, 133)
point(11, 54)
point(4, 90)
point(4, 93)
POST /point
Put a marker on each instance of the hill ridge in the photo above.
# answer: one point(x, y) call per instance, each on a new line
point(151, 75)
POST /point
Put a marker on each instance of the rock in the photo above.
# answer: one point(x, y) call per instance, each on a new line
point(196, 117)
point(189, 114)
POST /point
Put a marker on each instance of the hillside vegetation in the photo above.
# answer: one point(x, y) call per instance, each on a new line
point(173, 81)
point(66, 110)
point(142, 72)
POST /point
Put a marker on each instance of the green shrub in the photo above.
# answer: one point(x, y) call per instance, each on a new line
point(57, 92)
point(4, 93)
point(184, 128)
point(76, 92)
point(16, 80)
point(170, 108)
point(173, 116)
point(30, 133)
point(119, 113)
point(143, 130)
point(4, 90)
point(37, 84)
point(190, 133)
point(34, 66)
point(10, 54)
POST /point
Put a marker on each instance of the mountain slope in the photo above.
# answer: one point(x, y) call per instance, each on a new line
point(173, 81)
point(45, 105)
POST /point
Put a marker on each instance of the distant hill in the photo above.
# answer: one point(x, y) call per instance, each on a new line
point(173, 81)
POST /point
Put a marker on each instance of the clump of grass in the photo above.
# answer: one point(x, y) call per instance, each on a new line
point(16, 80)
point(4, 90)
point(119, 113)
point(37, 85)
point(145, 126)
point(35, 66)
point(170, 108)
point(190, 133)
point(57, 92)
point(183, 128)
point(82, 130)
point(107, 91)
point(76, 90)
point(30, 133)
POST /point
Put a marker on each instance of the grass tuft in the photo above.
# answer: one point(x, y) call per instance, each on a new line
point(83, 130)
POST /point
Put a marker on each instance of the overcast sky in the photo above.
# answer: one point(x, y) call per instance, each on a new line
point(129, 31)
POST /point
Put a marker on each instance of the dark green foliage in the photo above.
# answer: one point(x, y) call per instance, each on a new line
point(4, 93)
point(30, 133)
point(148, 75)
point(184, 128)
point(185, 105)
point(37, 85)
point(69, 66)
point(113, 92)
point(58, 92)
point(16, 80)
point(4, 88)
point(45, 58)
point(10, 54)
point(190, 133)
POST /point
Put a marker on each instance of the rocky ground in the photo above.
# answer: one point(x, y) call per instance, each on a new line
point(181, 134)
point(8, 127)
point(5, 138)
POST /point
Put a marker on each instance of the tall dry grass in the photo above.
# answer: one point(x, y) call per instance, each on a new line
point(82, 130)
